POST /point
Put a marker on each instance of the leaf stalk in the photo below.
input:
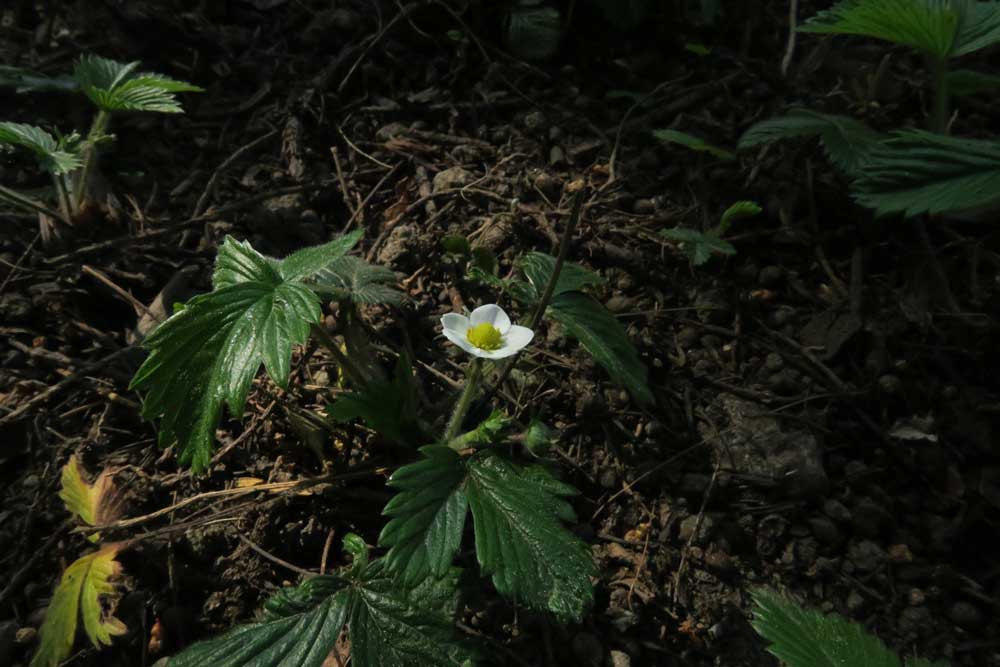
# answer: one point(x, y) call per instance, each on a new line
point(473, 378)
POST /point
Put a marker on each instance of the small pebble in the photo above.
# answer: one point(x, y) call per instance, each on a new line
point(965, 615)
point(771, 276)
point(836, 510)
point(620, 659)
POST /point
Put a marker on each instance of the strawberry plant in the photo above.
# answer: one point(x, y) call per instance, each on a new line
point(70, 160)
point(399, 608)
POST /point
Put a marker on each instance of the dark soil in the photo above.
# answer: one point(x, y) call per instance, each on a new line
point(824, 418)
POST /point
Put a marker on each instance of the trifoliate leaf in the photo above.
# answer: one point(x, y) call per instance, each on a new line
point(604, 338)
point(24, 80)
point(427, 515)
point(51, 156)
point(353, 279)
point(91, 503)
point(699, 246)
point(387, 625)
point(299, 627)
point(846, 141)
point(207, 355)
point(802, 637)
point(533, 33)
point(388, 407)
point(114, 86)
point(693, 142)
point(918, 172)
point(969, 82)
point(537, 267)
point(926, 25)
point(309, 264)
point(78, 596)
point(521, 541)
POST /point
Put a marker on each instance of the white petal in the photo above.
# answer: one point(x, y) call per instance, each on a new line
point(518, 337)
point(461, 340)
point(491, 314)
point(455, 322)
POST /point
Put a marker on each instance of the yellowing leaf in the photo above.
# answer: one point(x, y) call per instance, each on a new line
point(91, 503)
point(78, 595)
point(246, 482)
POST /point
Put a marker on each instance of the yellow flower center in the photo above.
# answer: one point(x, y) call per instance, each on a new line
point(485, 336)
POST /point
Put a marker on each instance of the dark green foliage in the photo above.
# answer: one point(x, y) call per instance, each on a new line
point(918, 172)
point(427, 515)
point(207, 355)
point(518, 514)
point(802, 637)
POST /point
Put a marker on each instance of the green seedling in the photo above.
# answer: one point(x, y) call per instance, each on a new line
point(694, 143)
point(113, 88)
point(701, 245)
point(907, 171)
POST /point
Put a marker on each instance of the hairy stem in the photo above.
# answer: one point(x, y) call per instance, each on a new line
point(30, 204)
point(62, 195)
point(97, 130)
point(353, 371)
point(473, 378)
point(940, 110)
point(567, 237)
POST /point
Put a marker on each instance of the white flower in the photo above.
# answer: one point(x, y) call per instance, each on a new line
point(487, 332)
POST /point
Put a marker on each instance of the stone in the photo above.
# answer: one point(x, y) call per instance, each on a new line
point(705, 529)
point(452, 178)
point(536, 122)
point(836, 510)
point(620, 659)
point(855, 602)
point(866, 555)
point(643, 206)
point(825, 530)
point(609, 479)
point(771, 276)
point(755, 444)
point(588, 649)
point(965, 615)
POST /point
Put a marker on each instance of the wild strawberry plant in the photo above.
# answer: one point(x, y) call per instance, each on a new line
point(400, 608)
point(908, 171)
point(113, 88)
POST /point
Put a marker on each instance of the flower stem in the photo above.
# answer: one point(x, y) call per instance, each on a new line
point(62, 195)
point(473, 378)
point(97, 130)
point(357, 376)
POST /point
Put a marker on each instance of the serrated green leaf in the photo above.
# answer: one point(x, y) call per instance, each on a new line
point(537, 267)
point(969, 82)
point(693, 142)
point(979, 26)
point(207, 355)
point(387, 625)
point(353, 279)
point(802, 637)
point(917, 172)
point(427, 515)
point(846, 141)
point(521, 540)
point(386, 406)
point(299, 627)
point(926, 25)
point(77, 597)
point(390, 625)
point(52, 157)
point(308, 263)
point(115, 86)
point(533, 33)
point(24, 80)
point(699, 246)
point(605, 339)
